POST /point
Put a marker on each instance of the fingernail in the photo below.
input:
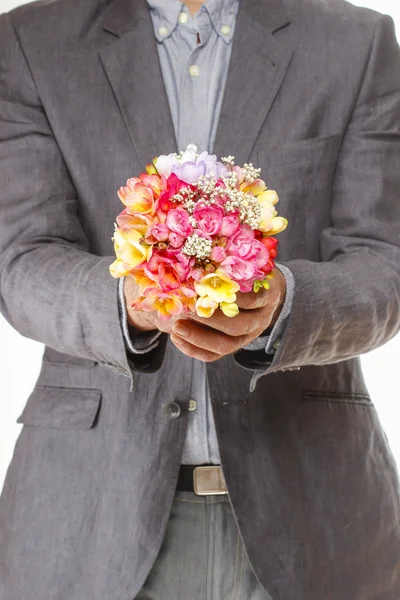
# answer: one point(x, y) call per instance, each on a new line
point(180, 329)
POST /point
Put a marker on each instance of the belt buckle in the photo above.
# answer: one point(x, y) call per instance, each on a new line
point(209, 480)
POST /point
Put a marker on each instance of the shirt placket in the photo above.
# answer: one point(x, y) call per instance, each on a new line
point(193, 92)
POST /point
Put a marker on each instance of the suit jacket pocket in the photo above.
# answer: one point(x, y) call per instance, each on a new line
point(309, 151)
point(337, 397)
point(61, 408)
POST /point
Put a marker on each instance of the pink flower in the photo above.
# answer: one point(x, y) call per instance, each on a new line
point(237, 268)
point(247, 286)
point(176, 240)
point(218, 254)
point(160, 232)
point(178, 222)
point(240, 243)
point(258, 254)
point(168, 278)
point(183, 265)
point(209, 218)
point(230, 225)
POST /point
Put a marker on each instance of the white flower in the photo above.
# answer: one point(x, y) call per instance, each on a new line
point(165, 163)
point(189, 155)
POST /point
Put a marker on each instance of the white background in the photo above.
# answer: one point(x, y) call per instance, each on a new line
point(20, 358)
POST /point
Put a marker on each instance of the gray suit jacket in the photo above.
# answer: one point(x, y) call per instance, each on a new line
point(312, 97)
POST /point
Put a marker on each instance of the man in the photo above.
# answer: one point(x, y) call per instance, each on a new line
point(299, 497)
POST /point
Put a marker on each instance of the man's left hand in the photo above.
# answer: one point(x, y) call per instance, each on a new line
point(209, 339)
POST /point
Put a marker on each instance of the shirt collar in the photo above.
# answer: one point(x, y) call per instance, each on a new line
point(165, 13)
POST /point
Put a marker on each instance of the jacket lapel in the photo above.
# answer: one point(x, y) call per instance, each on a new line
point(257, 68)
point(133, 69)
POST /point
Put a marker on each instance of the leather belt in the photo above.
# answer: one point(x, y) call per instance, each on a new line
point(203, 480)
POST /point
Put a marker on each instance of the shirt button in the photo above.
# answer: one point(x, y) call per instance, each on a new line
point(183, 18)
point(225, 29)
point(192, 405)
point(163, 31)
point(194, 70)
point(171, 410)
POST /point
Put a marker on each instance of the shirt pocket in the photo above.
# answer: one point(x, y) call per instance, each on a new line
point(61, 408)
point(302, 173)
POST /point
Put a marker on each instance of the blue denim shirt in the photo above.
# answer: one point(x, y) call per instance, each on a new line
point(194, 54)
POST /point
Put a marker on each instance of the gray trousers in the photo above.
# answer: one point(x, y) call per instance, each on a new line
point(202, 556)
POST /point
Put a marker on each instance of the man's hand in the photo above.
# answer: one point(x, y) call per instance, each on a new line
point(210, 339)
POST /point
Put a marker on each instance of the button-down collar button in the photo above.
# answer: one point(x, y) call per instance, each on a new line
point(225, 30)
point(192, 405)
point(163, 30)
point(194, 70)
point(171, 410)
point(183, 17)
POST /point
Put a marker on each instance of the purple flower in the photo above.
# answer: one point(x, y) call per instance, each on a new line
point(189, 171)
point(192, 167)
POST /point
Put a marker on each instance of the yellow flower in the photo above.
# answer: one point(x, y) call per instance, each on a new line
point(130, 251)
point(278, 224)
point(255, 187)
point(217, 286)
point(266, 201)
point(205, 307)
point(230, 309)
point(118, 269)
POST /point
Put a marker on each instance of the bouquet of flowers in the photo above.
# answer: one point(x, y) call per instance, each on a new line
point(195, 231)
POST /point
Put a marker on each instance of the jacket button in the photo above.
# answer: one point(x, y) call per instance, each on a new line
point(171, 410)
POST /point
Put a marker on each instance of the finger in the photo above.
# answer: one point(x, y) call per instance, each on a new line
point(243, 324)
point(208, 339)
point(252, 300)
point(194, 351)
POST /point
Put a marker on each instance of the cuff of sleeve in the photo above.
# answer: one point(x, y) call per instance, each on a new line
point(270, 342)
point(141, 343)
point(276, 335)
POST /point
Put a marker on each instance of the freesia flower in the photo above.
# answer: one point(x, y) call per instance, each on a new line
point(166, 304)
point(137, 198)
point(127, 220)
point(130, 251)
point(165, 163)
point(218, 286)
point(141, 279)
point(230, 309)
point(254, 187)
point(205, 306)
point(156, 183)
point(190, 171)
point(278, 224)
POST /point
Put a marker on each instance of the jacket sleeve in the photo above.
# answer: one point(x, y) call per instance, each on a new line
point(52, 288)
point(349, 302)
